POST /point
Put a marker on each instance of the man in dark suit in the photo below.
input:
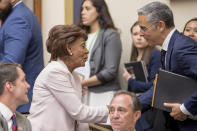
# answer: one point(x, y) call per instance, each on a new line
point(179, 55)
point(13, 92)
point(21, 41)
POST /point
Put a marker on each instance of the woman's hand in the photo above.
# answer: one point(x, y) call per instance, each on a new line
point(126, 75)
point(92, 81)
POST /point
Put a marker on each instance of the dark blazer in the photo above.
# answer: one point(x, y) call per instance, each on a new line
point(181, 58)
point(154, 64)
point(145, 123)
point(21, 42)
point(105, 59)
point(22, 123)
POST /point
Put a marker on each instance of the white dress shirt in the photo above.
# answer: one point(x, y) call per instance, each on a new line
point(167, 40)
point(17, 3)
point(7, 114)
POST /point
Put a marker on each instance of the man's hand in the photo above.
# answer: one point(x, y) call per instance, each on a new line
point(176, 113)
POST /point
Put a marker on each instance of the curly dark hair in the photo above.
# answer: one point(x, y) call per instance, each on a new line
point(60, 36)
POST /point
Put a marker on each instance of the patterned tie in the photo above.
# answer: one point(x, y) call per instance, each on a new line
point(14, 127)
point(163, 54)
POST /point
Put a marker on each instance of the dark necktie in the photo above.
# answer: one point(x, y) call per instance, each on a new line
point(163, 54)
point(75, 125)
point(14, 127)
point(1, 23)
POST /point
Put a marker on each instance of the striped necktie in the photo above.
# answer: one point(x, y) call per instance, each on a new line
point(14, 127)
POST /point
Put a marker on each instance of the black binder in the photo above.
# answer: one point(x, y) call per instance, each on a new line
point(139, 69)
point(172, 88)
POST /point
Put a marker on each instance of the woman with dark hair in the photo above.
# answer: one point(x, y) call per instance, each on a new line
point(141, 51)
point(104, 45)
point(190, 29)
point(56, 104)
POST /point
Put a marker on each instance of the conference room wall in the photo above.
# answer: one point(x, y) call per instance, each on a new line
point(124, 14)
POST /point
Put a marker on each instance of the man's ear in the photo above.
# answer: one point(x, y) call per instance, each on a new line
point(137, 115)
point(161, 26)
point(8, 86)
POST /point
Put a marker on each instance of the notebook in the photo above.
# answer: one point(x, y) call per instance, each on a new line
point(172, 88)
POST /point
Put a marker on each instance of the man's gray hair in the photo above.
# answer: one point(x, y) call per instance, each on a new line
point(135, 103)
point(157, 11)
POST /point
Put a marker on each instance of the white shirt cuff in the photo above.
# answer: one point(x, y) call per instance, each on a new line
point(186, 112)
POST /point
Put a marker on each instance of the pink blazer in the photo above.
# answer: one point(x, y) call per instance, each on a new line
point(57, 103)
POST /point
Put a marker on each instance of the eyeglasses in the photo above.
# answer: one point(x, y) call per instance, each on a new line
point(144, 29)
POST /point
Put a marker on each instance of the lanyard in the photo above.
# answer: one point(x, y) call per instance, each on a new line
point(92, 42)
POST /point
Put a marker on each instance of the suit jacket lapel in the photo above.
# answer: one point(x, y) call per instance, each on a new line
point(3, 123)
point(19, 122)
point(169, 51)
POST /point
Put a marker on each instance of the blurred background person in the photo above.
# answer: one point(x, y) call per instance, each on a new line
point(125, 110)
point(142, 51)
point(13, 93)
point(104, 45)
point(190, 29)
point(57, 90)
point(21, 41)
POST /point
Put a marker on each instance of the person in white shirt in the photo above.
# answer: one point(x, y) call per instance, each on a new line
point(13, 93)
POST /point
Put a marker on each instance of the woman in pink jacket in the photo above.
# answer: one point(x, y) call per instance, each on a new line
point(56, 104)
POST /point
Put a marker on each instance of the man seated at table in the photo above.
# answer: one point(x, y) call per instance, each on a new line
point(125, 110)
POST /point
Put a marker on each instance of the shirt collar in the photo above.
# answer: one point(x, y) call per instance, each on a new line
point(5, 111)
point(17, 3)
point(167, 40)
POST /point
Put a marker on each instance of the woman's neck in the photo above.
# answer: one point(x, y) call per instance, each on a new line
point(140, 54)
point(69, 65)
point(94, 27)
